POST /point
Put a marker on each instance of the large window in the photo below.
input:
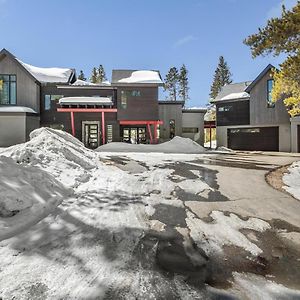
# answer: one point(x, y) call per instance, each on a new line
point(8, 89)
point(123, 99)
point(49, 98)
point(270, 84)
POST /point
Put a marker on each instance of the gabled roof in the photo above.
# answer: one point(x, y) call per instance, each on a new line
point(136, 77)
point(233, 91)
point(259, 77)
point(43, 75)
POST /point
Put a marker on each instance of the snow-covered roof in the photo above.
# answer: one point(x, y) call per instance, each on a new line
point(16, 109)
point(57, 75)
point(79, 82)
point(86, 101)
point(236, 96)
point(136, 76)
point(196, 108)
point(233, 91)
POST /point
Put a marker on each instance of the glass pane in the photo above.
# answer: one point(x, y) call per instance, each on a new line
point(4, 93)
point(47, 103)
point(13, 78)
point(56, 97)
point(13, 93)
point(4, 77)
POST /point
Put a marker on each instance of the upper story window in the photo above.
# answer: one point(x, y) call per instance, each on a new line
point(270, 84)
point(135, 93)
point(49, 98)
point(8, 89)
point(123, 99)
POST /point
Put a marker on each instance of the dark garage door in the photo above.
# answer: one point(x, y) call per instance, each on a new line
point(261, 139)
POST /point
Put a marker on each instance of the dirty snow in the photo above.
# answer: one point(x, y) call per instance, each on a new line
point(82, 214)
point(176, 145)
point(292, 180)
point(57, 75)
point(224, 230)
point(143, 76)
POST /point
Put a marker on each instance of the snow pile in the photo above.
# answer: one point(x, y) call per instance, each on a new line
point(224, 230)
point(61, 75)
point(142, 77)
point(224, 149)
point(241, 95)
point(56, 152)
point(176, 145)
point(292, 180)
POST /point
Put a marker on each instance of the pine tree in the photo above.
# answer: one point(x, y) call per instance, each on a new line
point(183, 83)
point(281, 35)
point(81, 76)
point(101, 74)
point(222, 77)
point(94, 76)
point(171, 83)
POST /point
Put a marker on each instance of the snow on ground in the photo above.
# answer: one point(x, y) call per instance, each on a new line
point(176, 145)
point(292, 180)
point(224, 230)
point(83, 245)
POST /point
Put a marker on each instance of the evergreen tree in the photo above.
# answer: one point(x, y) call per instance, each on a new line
point(183, 83)
point(281, 35)
point(222, 77)
point(171, 83)
point(94, 76)
point(101, 74)
point(81, 76)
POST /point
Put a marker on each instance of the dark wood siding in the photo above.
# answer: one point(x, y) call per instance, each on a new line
point(298, 136)
point(259, 138)
point(143, 107)
point(233, 113)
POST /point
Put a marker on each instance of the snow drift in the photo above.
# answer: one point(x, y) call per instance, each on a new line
point(56, 152)
point(176, 145)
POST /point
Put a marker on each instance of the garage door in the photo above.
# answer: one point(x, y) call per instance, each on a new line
point(261, 139)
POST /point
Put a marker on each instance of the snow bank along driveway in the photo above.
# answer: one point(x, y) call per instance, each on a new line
point(78, 224)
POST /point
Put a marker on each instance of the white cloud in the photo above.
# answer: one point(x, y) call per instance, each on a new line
point(185, 40)
point(275, 11)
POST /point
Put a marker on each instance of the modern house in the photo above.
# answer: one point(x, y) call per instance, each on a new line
point(127, 109)
point(248, 119)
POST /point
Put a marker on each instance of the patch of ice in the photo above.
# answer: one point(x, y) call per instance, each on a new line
point(224, 230)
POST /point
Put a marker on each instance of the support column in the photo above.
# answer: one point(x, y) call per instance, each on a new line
point(72, 123)
point(103, 128)
point(150, 133)
point(210, 135)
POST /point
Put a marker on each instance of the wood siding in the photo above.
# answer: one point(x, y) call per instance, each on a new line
point(28, 91)
point(233, 113)
point(260, 113)
point(143, 107)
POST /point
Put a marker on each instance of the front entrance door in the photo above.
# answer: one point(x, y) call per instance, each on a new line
point(91, 134)
point(134, 135)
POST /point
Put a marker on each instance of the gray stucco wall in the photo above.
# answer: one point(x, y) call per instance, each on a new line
point(295, 122)
point(28, 91)
point(194, 119)
point(169, 112)
point(260, 113)
point(15, 128)
point(284, 135)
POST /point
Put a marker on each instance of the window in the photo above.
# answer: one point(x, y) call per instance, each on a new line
point(190, 130)
point(49, 98)
point(57, 126)
point(172, 128)
point(109, 134)
point(136, 93)
point(270, 84)
point(8, 89)
point(123, 99)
